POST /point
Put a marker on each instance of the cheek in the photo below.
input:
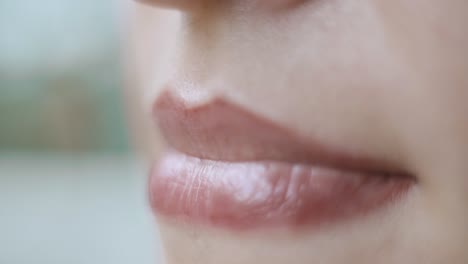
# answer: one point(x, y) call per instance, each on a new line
point(146, 48)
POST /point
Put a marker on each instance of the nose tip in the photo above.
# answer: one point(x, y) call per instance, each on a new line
point(174, 4)
point(191, 5)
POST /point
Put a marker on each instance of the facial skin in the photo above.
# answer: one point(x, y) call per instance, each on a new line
point(385, 78)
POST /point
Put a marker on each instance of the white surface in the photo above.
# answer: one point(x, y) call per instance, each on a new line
point(74, 210)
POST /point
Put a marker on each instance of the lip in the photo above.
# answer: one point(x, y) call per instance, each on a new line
point(230, 168)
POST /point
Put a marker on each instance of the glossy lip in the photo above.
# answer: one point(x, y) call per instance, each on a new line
point(232, 169)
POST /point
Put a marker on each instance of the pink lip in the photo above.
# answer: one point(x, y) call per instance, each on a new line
point(232, 169)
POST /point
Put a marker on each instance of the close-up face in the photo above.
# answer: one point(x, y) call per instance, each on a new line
point(321, 131)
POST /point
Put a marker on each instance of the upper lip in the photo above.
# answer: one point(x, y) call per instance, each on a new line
point(220, 130)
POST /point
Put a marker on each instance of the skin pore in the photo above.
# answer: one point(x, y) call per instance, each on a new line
point(388, 79)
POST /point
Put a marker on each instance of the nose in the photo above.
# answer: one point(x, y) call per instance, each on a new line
point(176, 4)
point(186, 5)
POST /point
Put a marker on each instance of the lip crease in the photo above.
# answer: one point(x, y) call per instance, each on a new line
point(230, 168)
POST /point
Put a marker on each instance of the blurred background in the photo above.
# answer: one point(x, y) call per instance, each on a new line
point(71, 191)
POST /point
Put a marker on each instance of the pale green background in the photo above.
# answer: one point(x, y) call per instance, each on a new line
point(60, 76)
point(71, 192)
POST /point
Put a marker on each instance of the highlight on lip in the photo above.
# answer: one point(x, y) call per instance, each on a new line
point(232, 169)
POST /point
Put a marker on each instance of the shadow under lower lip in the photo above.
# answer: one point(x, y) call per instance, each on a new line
point(251, 195)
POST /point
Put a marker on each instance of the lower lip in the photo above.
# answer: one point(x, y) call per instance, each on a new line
point(263, 194)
